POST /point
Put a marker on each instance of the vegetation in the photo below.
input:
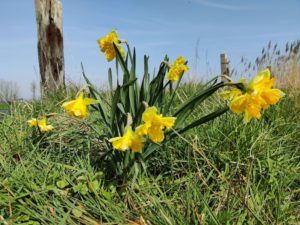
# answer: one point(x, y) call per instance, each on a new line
point(222, 172)
point(4, 106)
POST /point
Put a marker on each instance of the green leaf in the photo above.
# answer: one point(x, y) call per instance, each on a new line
point(188, 106)
point(133, 94)
point(150, 149)
point(210, 212)
point(95, 185)
point(94, 93)
point(77, 212)
point(167, 108)
point(107, 195)
point(144, 91)
point(62, 184)
point(110, 82)
point(157, 85)
point(122, 64)
point(115, 101)
point(129, 53)
point(128, 83)
point(121, 108)
point(203, 120)
point(84, 189)
point(198, 97)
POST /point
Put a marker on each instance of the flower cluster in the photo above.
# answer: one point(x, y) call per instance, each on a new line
point(153, 126)
point(75, 108)
point(177, 69)
point(106, 45)
point(41, 124)
point(256, 96)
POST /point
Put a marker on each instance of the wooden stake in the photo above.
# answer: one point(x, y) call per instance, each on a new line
point(224, 67)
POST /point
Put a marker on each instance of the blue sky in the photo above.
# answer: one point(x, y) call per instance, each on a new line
point(154, 27)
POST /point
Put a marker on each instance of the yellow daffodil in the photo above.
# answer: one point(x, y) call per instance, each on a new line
point(154, 125)
point(259, 94)
point(177, 69)
point(32, 122)
point(262, 85)
point(41, 124)
point(78, 107)
point(249, 104)
point(129, 140)
point(261, 81)
point(106, 45)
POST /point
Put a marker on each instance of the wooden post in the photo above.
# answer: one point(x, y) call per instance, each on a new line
point(50, 44)
point(224, 67)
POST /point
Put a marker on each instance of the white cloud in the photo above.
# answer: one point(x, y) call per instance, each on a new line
point(221, 5)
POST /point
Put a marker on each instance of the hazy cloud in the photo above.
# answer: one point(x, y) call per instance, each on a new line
point(221, 5)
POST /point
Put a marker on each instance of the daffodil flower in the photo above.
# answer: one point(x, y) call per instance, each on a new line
point(41, 124)
point(154, 125)
point(32, 122)
point(106, 45)
point(129, 140)
point(78, 107)
point(177, 69)
point(262, 84)
point(259, 94)
point(248, 104)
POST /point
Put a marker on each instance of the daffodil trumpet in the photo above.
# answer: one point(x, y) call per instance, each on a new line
point(78, 107)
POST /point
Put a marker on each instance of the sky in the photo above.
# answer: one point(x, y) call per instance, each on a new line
point(153, 27)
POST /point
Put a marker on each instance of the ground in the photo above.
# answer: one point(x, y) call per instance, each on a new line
point(223, 172)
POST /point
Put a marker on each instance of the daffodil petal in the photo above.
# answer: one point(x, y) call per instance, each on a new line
point(168, 122)
point(156, 134)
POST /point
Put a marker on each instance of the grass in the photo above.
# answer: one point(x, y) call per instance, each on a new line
point(4, 106)
point(223, 172)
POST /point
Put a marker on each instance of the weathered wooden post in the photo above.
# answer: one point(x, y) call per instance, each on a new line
point(50, 44)
point(224, 67)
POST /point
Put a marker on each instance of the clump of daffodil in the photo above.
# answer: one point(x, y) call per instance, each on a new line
point(154, 125)
point(78, 107)
point(129, 140)
point(177, 69)
point(106, 45)
point(255, 96)
point(41, 124)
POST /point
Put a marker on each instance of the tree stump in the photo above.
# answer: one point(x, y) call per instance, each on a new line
point(50, 44)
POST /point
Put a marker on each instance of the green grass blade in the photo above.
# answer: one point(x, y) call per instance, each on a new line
point(204, 119)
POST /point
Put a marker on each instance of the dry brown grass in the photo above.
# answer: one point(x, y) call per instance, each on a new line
point(290, 75)
point(285, 65)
